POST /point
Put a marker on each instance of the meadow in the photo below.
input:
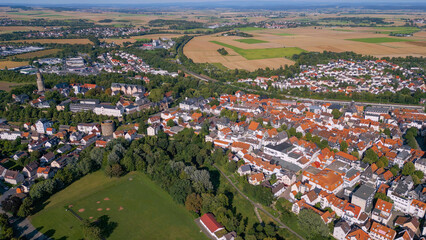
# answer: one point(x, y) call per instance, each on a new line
point(263, 53)
point(132, 203)
point(250, 40)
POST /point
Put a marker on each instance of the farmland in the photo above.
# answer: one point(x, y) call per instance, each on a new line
point(204, 48)
point(58, 41)
point(11, 64)
point(133, 203)
point(262, 53)
point(250, 41)
point(379, 40)
point(6, 86)
point(36, 54)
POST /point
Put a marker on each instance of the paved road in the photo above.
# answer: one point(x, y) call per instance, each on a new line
point(256, 205)
point(22, 225)
point(206, 79)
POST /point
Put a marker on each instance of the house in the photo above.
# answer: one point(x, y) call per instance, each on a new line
point(341, 229)
point(244, 170)
point(30, 170)
point(381, 232)
point(153, 129)
point(420, 165)
point(44, 172)
point(363, 197)
point(19, 155)
point(48, 158)
point(64, 149)
point(42, 124)
point(13, 177)
point(358, 234)
point(278, 189)
point(256, 178)
point(211, 225)
point(411, 223)
point(405, 234)
point(382, 211)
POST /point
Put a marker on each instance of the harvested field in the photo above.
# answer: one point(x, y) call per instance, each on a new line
point(11, 64)
point(10, 29)
point(58, 41)
point(202, 49)
point(37, 54)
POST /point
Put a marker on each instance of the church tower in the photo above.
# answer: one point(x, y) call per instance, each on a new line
point(40, 82)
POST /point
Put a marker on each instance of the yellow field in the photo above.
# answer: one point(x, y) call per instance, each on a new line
point(36, 54)
point(201, 49)
point(10, 29)
point(58, 41)
point(12, 64)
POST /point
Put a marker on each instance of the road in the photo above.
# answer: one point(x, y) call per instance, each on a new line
point(22, 225)
point(258, 206)
point(342, 102)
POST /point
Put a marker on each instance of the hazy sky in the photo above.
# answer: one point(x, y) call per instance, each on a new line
point(34, 2)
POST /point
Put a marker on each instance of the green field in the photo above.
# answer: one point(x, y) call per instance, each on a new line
point(248, 29)
point(398, 30)
point(263, 53)
point(133, 202)
point(379, 40)
point(250, 40)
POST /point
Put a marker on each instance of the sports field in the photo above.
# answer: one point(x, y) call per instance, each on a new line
point(133, 202)
point(380, 40)
point(263, 53)
point(250, 40)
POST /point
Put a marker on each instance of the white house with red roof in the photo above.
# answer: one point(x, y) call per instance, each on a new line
point(211, 225)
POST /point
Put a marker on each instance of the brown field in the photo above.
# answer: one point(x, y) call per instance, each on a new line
point(6, 86)
point(58, 41)
point(200, 49)
point(11, 64)
point(134, 38)
point(10, 29)
point(37, 54)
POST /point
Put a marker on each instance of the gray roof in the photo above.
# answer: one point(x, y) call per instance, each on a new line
point(285, 146)
point(364, 192)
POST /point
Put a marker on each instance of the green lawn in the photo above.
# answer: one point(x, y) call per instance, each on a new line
point(147, 211)
point(250, 40)
point(263, 53)
point(379, 40)
point(143, 39)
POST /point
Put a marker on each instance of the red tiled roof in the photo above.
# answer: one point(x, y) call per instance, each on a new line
point(210, 222)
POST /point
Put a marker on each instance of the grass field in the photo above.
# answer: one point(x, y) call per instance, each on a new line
point(6, 86)
point(143, 39)
point(379, 40)
point(133, 202)
point(263, 53)
point(248, 29)
point(399, 30)
point(37, 54)
point(250, 40)
point(11, 64)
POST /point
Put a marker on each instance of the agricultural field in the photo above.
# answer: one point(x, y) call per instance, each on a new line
point(204, 48)
point(250, 40)
point(134, 39)
point(11, 29)
point(132, 203)
point(379, 40)
point(263, 53)
point(41, 53)
point(12, 64)
point(58, 41)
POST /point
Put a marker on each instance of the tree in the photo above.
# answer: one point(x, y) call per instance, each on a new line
point(419, 174)
point(114, 170)
point(170, 123)
point(312, 223)
point(91, 231)
point(156, 95)
point(387, 131)
point(355, 153)
point(180, 190)
point(194, 202)
point(408, 169)
point(336, 114)
point(26, 208)
point(370, 156)
point(344, 146)
point(11, 204)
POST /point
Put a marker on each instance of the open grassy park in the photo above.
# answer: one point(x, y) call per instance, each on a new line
point(250, 40)
point(262, 53)
point(380, 40)
point(133, 203)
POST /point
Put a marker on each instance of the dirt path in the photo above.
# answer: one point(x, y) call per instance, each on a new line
point(258, 215)
point(256, 205)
